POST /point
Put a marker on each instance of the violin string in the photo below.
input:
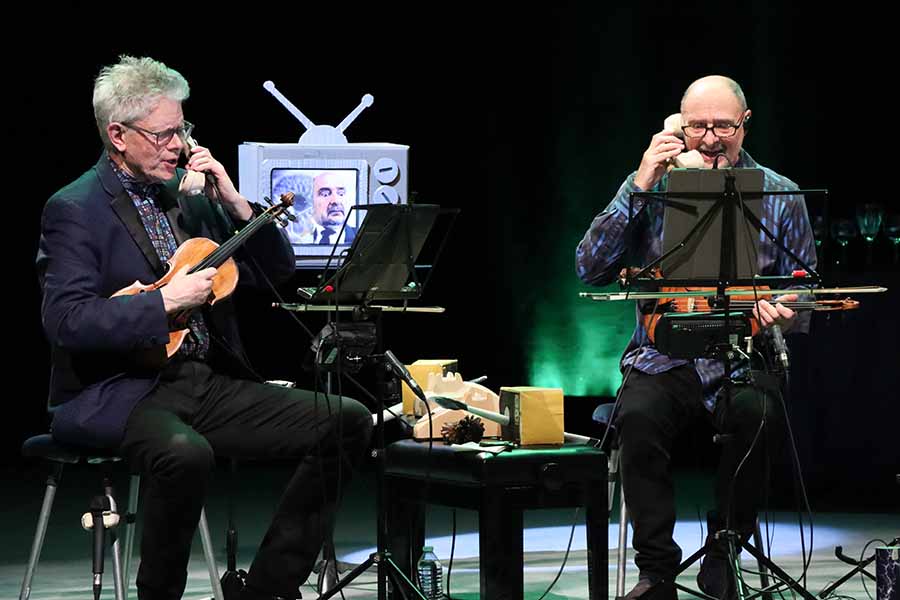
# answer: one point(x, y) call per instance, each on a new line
point(224, 251)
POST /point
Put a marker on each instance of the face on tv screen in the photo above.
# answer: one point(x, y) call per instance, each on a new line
point(322, 201)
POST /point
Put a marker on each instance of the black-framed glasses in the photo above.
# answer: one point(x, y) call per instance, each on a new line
point(721, 129)
point(162, 138)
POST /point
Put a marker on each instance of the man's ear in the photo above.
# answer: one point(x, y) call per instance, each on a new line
point(747, 120)
point(116, 134)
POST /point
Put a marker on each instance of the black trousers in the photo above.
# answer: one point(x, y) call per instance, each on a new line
point(173, 436)
point(654, 409)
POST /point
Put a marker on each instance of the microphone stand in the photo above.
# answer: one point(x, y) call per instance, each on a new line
point(387, 569)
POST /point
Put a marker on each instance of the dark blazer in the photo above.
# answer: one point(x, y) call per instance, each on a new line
point(93, 244)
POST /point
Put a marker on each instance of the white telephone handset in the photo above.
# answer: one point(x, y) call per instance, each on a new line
point(193, 182)
point(685, 160)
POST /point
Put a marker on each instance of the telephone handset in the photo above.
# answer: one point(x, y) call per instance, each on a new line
point(193, 182)
point(685, 160)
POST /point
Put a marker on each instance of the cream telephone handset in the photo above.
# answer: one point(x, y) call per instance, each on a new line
point(685, 160)
point(193, 182)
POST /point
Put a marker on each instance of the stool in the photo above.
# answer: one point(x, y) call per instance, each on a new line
point(44, 447)
point(500, 487)
point(601, 416)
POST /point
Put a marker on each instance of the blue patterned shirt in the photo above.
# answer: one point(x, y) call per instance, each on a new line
point(602, 253)
point(196, 344)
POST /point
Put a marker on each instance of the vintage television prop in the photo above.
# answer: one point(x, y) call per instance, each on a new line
point(328, 175)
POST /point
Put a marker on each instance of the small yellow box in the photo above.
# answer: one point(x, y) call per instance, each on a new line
point(420, 371)
point(536, 415)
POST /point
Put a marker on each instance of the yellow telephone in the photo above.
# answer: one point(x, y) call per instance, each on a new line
point(685, 160)
point(193, 182)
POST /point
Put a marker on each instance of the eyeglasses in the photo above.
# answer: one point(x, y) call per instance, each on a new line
point(162, 138)
point(721, 130)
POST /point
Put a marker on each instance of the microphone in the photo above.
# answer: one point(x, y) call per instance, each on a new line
point(403, 373)
point(453, 404)
point(780, 346)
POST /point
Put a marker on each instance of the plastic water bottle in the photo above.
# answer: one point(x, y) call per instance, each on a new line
point(430, 576)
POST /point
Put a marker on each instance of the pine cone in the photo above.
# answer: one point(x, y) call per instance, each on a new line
point(467, 429)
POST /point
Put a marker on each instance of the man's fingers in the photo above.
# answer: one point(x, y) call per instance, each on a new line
point(783, 311)
point(765, 312)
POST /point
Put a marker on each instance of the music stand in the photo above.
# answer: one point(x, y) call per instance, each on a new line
point(379, 266)
point(716, 200)
point(725, 205)
point(381, 259)
point(718, 248)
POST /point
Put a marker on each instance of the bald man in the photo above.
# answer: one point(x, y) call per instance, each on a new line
point(333, 193)
point(662, 395)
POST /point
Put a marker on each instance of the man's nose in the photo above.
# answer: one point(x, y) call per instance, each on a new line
point(176, 143)
point(710, 138)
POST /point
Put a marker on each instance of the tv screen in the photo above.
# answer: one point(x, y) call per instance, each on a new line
point(322, 201)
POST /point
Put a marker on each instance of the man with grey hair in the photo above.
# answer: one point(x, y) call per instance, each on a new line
point(662, 395)
point(118, 223)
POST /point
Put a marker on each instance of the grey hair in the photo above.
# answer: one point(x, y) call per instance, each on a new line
point(732, 85)
point(131, 89)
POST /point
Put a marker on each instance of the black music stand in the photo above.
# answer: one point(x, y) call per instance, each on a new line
point(723, 203)
point(379, 266)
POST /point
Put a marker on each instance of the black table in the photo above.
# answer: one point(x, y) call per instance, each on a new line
point(500, 487)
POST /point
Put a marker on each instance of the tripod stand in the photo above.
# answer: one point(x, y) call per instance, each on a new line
point(859, 566)
point(723, 535)
point(380, 265)
point(381, 558)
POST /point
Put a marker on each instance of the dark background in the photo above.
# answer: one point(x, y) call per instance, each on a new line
point(526, 120)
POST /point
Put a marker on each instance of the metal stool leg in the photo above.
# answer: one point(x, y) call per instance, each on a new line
point(130, 516)
point(206, 540)
point(43, 519)
point(612, 478)
point(118, 585)
point(622, 554)
point(623, 545)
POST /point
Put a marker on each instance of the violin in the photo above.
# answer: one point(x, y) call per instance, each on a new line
point(737, 302)
point(741, 298)
point(200, 253)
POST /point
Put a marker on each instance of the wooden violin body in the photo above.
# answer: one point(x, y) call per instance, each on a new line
point(188, 256)
point(197, 254)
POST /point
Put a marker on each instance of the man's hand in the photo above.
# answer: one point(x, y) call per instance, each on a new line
point(218, 185)
point(663, 146)
point(187, 291)
point(770, 314)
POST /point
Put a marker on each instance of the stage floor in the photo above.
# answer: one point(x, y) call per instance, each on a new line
point(64, 571)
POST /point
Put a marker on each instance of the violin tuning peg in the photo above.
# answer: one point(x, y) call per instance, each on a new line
point(268, 200)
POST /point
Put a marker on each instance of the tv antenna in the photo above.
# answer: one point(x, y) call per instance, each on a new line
point(320, 134)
